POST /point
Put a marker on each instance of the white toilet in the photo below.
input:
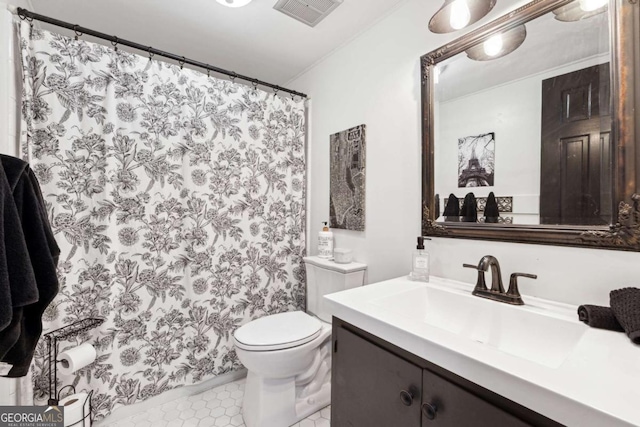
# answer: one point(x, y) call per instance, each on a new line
point(288, 355)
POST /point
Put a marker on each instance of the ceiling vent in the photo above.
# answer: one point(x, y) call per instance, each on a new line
point(308, 11)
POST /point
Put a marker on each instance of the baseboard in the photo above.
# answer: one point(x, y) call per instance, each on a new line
point(170, 395)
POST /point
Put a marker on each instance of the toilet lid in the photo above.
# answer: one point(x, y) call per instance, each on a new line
point(278, 331)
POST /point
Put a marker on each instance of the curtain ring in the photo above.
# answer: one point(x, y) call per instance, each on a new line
point(78, 33)
point(208, 71)
point(151, 54)
point(181, 62)
point(114, 43)
point(21, 14)
point(29, 20)
point(275, 91)
point(255, 84)
point(233, 76)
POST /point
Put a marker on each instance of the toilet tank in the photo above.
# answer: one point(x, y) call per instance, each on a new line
point(326, 277)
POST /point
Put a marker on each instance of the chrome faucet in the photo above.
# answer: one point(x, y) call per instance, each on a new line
point(497, 293)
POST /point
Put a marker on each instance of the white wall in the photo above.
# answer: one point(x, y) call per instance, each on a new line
point(8, 134)
point(8, 99)
point(375, 79)
point(513, 111)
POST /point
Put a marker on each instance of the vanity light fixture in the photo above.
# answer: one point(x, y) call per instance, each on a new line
point(498, 45)
point(581, 9)
point(234, 3)
point(493, 46)
point(591, 5)
point(457, 14)
point(460, 14)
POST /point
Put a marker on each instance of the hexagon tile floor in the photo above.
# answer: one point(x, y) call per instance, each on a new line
point(218, 407)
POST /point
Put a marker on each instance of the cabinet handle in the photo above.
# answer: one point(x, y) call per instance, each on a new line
point(406, 397)
point(430, 410)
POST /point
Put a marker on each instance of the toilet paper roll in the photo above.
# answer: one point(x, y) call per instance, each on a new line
point(76, 358)
point(74, 406)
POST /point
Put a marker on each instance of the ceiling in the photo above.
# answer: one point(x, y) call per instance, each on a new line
point(549, 44)
point(254, 40)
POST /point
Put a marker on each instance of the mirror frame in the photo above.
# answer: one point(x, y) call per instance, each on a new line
point(624, 232)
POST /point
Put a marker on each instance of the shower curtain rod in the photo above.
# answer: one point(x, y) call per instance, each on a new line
point(115, 41)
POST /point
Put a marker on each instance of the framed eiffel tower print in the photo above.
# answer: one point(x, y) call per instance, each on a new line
point(476, 160)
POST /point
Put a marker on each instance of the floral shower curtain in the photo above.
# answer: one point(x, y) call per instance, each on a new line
point(178, 203)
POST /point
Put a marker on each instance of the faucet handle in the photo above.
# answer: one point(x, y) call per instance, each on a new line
point(481, 285)
point(513, 285)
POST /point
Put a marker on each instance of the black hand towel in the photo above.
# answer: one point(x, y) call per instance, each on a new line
point(6, 305)
point(599, 317)
point(625, 304)
point(469, 210)
point(491, 211)
point(18, 287)
point(42, 254)
point(452, 210)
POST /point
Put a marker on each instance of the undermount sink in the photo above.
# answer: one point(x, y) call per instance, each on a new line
point(526, 332)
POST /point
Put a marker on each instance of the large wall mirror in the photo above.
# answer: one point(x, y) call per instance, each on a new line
point(530, 129)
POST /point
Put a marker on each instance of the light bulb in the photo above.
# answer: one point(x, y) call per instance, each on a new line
point(460, 14)
point(591, 5)
point(493, 45)
point(234, 3)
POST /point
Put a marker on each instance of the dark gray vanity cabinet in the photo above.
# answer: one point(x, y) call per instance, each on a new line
point(444, 404)
point(375, 383)
point(372, 387)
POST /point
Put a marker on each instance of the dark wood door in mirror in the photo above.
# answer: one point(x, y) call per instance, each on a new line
point(589, 158)
point(575, 182)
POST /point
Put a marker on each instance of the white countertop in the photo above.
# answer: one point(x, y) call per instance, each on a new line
point(597, 384)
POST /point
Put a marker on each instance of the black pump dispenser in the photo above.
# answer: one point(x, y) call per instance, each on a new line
point(420, 243)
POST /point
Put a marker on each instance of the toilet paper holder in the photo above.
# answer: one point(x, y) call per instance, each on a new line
point(86, 414)
point(65, 333)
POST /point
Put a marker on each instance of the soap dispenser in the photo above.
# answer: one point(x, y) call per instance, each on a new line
point(325, 242)
point(420, 265)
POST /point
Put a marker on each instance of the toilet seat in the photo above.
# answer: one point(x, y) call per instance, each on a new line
point(278, 332)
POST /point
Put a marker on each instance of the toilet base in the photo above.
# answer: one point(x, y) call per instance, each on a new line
point(282, 402)
point(277, 406)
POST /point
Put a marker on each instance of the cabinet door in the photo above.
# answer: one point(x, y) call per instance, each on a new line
point(444, 404)
point(371, 386)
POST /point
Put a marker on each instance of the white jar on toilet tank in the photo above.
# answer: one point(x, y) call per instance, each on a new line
point(325, 242)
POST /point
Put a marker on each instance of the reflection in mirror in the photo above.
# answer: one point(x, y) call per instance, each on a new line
point(522, 124)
